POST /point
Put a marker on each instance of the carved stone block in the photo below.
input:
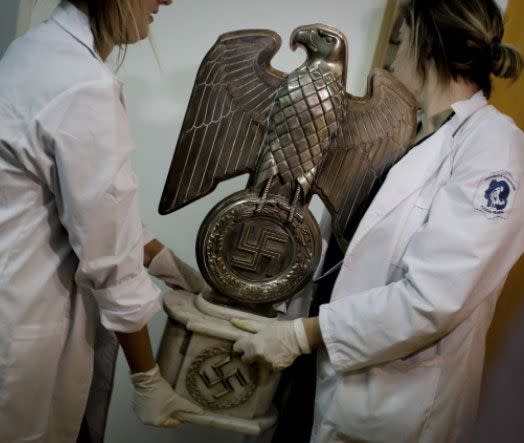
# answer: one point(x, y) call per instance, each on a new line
point(196, 357)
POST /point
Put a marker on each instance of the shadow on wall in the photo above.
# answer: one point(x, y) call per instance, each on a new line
point(500, 410)
point(42, 10)
point(8, 23)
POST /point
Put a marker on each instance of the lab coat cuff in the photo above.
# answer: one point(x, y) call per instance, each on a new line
point(128, 307)
point(329, 337)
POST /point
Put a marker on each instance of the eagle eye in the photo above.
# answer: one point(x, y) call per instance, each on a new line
point(330, 40)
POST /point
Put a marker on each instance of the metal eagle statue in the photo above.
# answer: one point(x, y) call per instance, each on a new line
point(297, 134)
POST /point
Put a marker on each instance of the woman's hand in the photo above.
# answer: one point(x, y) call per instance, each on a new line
point(155, 402)
point(277, 343)
point(174, 272)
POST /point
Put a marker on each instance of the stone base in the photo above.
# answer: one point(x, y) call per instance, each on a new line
point(250, 427)
point(197, 358)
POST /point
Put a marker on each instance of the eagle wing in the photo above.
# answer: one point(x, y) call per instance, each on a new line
point(226, 117)
point(376, 132)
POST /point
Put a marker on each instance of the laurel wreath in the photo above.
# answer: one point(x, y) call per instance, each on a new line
point(269, 291)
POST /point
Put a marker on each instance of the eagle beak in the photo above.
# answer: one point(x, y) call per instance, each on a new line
point(303, 37)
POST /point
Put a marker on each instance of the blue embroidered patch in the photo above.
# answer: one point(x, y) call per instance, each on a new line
point(495, 194)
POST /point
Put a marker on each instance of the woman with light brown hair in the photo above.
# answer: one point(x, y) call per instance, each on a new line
point(401, 341)
point(72, 249)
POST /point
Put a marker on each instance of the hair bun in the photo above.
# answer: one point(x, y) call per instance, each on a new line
point(508, 62)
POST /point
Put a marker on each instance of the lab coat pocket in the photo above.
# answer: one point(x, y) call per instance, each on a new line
point(384, 404)
point(28, 382)
point(416, 219)
point(428, 356)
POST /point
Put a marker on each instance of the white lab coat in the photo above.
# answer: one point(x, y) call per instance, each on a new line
point(406, 325)
point(70, 230)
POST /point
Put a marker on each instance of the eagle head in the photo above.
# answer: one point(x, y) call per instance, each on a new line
point(323, 43)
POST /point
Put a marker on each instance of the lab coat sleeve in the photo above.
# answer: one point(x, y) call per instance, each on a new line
point(452, 264)
point(96, 195)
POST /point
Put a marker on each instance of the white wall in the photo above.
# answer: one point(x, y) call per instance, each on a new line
point(157, 102)
point(40, 10)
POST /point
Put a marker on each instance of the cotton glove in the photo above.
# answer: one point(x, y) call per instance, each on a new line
point(176, 273)
point(278, 343)
point(155, 402)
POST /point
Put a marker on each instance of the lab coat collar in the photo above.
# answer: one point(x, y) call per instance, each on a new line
point(466, 108)
point(76, 23)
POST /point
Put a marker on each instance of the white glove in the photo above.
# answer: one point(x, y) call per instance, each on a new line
point(155, 402)
point(277, 344)
point(176, 273)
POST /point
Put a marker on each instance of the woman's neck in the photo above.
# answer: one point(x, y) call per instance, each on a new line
point(437, 98)
point(436, 101)
point(106, 48)
point(82, 5)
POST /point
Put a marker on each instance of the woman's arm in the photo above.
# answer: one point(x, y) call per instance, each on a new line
point(151, 250)
point(457, 259)
point(313, 333)
point(137, 349)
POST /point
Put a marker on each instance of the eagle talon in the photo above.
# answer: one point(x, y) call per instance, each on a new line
point(293, 208)
point(264, 195)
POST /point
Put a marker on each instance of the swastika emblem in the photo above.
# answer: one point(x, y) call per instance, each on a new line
point(221, 377)
point(249, 250)
point(262, 248)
